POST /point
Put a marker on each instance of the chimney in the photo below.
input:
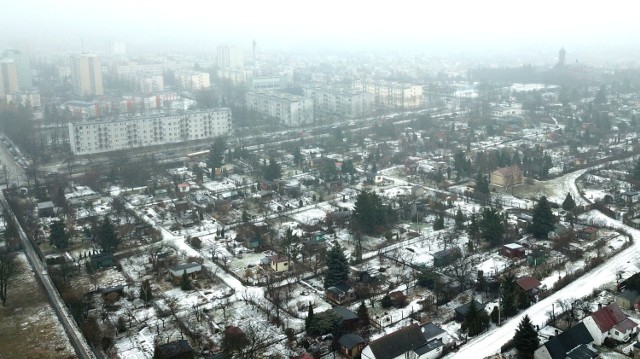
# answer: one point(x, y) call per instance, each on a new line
point(599, 305)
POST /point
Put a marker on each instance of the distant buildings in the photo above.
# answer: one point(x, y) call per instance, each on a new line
point(339, 102)
point(8, 77)
point(151, 83)
point(268, 83)
point(132, 70)
point(391, 95)
point(118, 48)
point(86, 75)
point(88, 137)
point(290, 110)
point(24, 98)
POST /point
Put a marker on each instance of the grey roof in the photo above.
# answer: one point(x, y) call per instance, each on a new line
point(45, 205)
point(345, 313)
point(582, 352)
point(174, 348)
point(575, 336)
point(464, 309)
point(187, 267)
point(398, 342)
point(350, 340)
point(430, 330)
point(431, 345)
point(628, 294)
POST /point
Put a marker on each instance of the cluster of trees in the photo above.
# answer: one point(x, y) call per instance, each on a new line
point(104, 234)
point(489, 225)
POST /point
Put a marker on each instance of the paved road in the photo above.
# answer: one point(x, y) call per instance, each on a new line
point(73, 332)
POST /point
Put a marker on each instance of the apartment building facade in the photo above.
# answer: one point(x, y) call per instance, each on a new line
point(290, 110)
point(391, 95)
point(99, 136)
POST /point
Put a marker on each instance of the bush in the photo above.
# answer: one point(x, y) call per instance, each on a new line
point(507, 346)
point(195, 242)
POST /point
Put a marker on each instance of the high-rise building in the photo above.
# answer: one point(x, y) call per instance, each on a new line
point(8, 78)
point(118, 48)
point(86, 75)
point(230, 57)
point(23, 63)
point(562, 54)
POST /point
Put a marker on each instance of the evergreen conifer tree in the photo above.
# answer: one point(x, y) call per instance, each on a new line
point(543, 220)
point(526, 338)
point(459, 220)
point(508, 296)
point(569, 204)
point(337, 267)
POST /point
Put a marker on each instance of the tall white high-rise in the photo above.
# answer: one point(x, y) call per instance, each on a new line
point(86, 75)
point(230, 57)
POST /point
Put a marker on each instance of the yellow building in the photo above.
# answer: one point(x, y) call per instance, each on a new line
point(8, 78)
point(86, 75)
point(507, 176)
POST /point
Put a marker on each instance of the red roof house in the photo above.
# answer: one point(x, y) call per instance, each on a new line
point(610, 322)
point(529, 284)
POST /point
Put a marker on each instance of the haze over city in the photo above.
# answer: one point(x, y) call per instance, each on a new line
point(460, 27)
point(319, 180)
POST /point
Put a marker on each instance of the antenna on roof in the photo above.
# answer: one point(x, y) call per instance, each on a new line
point(82, 40)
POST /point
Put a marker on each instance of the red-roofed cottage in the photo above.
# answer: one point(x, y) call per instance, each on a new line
point(610, 322)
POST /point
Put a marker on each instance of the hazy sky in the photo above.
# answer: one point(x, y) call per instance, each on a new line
point(339, 24)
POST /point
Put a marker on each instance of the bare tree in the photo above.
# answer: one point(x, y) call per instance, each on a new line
point(257, 340)
point(7, 270)
point(461, 268)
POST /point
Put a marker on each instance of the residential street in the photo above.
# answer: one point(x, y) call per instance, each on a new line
point(490, 343)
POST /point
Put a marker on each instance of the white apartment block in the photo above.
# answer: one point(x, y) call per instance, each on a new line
point(289, 109)
point(268, 83)
point(25, 98)
point(131, 71)
point(86, 75)
point(146, 84)
point(391, 95)
point(238, 77)
point(193, 80)
point(339, 103)
point(88, 137)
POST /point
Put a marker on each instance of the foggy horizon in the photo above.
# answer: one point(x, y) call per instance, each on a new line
point(533, 33)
